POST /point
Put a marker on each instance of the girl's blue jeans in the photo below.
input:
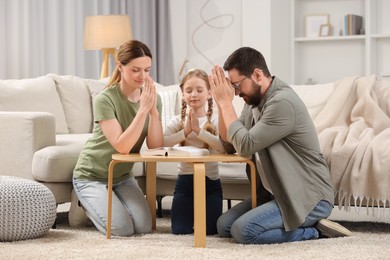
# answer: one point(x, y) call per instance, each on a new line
point(183, 205)
point(264, 224)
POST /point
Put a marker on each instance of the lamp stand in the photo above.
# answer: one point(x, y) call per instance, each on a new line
point(106, 54)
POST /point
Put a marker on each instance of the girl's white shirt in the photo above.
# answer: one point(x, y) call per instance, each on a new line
point(173, 136)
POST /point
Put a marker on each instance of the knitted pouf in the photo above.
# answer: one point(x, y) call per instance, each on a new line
point(27, 209)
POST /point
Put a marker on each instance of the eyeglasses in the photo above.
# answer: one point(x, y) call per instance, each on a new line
point(237, 85)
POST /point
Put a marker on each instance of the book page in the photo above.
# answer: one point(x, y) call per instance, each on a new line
point(160, 151)
point(176, 151)
point(187, 151)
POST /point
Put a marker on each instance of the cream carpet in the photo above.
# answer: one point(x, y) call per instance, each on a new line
point(371, 240)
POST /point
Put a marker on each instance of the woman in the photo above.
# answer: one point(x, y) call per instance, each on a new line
point(129, 101)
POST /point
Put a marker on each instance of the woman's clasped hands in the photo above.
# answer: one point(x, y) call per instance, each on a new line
point(148, 97)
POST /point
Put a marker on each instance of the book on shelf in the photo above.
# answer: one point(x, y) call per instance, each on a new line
point(176, 151)
point(353, 24)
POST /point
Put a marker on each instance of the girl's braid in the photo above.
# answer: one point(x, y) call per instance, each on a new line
point(182, 116)
point(209, 127)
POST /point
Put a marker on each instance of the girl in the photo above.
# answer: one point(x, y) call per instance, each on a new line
point(129, 101)
point(195, 127)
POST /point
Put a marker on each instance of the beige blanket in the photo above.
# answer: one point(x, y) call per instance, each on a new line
point(354, 133)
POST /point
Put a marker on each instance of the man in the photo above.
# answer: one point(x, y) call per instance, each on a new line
point(295, 193)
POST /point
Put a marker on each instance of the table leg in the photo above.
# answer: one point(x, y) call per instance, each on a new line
point(199, 205)
point(253, 184)
point(109, 193)
point(151, 190)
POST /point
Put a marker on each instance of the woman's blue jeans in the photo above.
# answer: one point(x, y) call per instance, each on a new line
point(183, 205)
point(264, 224)
point(130, 211)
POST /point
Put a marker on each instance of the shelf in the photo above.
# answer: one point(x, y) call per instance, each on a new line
point(381, 36)
point(339, 55)
point(330, 38)
point(341, 38)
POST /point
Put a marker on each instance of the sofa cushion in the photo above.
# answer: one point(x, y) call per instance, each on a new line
point(56, 163)
point(235, 184)
point(76, 101)
point(228, 172)
point(233, 173)
point(36, 94)
point(314, 96)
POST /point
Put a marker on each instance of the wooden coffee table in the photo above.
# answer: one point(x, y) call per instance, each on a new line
point(199, 185)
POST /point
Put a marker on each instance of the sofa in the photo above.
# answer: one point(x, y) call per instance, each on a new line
point(45, 121)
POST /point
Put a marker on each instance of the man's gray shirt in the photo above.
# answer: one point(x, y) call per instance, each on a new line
point(289, 150)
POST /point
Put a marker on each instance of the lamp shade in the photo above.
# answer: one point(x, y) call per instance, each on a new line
point(106, 31)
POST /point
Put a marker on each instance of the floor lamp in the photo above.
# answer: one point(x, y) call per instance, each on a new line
point(106, 33)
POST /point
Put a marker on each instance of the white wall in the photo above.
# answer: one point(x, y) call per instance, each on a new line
point(231, 24)
point(179, 34)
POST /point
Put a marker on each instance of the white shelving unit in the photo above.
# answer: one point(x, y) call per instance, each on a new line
point(329, 58)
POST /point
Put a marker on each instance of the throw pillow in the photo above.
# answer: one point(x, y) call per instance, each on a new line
point(35, 94)
point(171, 102)
point(314, 96)
point(76, 101)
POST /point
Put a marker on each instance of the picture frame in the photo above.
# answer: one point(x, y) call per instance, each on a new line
point(325, 30)
point(313, 24)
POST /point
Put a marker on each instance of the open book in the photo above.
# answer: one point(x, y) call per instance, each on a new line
point(176, 151)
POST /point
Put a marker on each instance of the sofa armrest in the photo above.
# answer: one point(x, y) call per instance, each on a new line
point(21, 135)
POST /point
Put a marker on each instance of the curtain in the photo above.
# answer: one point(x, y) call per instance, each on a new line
point(46, 36)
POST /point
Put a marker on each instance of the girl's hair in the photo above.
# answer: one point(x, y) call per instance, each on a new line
point(201, 74)
point(129, 51)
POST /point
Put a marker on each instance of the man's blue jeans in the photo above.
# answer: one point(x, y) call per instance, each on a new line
point(264, 224)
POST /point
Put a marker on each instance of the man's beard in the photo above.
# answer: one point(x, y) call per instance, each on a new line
point(254, 98)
